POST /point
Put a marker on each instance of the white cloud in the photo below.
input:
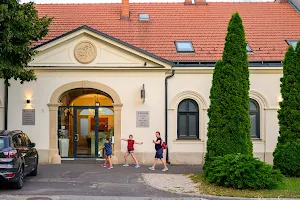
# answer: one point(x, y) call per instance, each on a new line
point(118, 1)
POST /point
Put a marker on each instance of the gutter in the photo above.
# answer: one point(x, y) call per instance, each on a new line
point(195, 63)
point(166, 114)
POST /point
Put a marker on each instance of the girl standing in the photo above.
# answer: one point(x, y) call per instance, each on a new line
point(130, 150)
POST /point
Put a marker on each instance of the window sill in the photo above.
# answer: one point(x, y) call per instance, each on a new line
point(187, 141)
point(257, 140)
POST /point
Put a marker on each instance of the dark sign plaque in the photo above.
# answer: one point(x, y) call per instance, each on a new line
point(142, 119)
point(28, 117)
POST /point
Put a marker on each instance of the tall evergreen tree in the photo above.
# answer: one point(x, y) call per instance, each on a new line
point(229, 120)
point(287, 152)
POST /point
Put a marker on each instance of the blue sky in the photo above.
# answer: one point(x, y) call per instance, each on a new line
point(109, 1)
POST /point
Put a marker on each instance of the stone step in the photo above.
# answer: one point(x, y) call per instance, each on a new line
point(82, 161)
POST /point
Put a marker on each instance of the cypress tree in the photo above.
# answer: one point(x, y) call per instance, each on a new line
point(229, 120)
point(287, 152)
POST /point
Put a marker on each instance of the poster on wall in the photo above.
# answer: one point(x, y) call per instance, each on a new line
point(102, 124)
point(28, 117)
point(142, 119)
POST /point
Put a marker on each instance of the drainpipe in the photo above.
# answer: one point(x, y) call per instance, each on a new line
point(166, 113)
point(5, 104)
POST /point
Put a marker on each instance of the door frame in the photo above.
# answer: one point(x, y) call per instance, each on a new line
point(75, 127)
point(55, 102)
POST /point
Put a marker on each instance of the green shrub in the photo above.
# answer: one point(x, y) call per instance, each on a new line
point(242, 171)
point(286, 154)
point(287, 158)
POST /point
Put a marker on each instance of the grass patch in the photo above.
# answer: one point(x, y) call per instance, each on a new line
point(289, 189)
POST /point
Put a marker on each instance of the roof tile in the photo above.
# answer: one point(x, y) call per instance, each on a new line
point(267, 26)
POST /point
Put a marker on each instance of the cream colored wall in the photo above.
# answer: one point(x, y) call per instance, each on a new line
point(1, 104)
point(265, 88)
point(267, 93)
point(48, 81)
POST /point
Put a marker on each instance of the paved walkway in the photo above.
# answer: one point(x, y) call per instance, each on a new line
point(93, 180)
point(174, 183)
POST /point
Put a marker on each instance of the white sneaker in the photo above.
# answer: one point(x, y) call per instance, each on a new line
point(151, 168)
point(165, 169)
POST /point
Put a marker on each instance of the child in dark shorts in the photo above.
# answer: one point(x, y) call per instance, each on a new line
point(159, 153)
point(130, 150)
point(108, 151)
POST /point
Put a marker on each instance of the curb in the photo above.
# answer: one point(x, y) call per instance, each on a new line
point(207, 196)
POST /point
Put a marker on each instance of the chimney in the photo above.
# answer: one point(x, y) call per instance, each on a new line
point(125, 10)
point(200, 2)
point(282, 1)
point(188, 2)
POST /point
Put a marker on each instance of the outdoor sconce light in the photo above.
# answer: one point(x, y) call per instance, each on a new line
point(28, 101)
point(143, 93)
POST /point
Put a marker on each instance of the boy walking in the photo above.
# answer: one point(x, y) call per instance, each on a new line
point(130, 151)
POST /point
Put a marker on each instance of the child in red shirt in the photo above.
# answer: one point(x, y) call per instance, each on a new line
point(130, 150)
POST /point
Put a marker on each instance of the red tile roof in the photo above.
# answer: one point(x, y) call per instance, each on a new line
point(267, 26)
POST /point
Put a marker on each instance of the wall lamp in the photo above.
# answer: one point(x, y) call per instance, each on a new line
point(28, 101)
point(143, 93)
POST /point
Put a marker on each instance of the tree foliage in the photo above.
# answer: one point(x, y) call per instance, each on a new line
point(242, 171)
point(20, 26)
point(229, 120)
point(289, 113)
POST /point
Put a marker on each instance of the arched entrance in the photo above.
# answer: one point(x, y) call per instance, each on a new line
point(75, 112)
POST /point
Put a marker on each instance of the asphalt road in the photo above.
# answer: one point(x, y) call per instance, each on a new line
point(86, 180)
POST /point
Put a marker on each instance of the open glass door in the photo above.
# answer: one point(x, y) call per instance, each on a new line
point(85, 133)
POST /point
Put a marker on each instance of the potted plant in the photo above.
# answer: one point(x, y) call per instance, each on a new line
point(63, 144)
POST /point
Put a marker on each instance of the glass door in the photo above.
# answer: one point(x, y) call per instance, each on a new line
point(82, 130)
point(85, 131)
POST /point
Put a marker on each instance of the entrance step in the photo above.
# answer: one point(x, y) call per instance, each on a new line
point(82, 161)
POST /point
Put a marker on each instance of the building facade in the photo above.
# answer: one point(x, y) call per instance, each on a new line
point(133, 75)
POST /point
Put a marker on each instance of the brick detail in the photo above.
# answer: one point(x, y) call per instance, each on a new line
point(200, 2)
point(125, 10)
point(188, 2)
point(282, 1)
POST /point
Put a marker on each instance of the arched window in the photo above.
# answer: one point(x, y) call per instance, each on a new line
point(254, 119)
point(188, 120)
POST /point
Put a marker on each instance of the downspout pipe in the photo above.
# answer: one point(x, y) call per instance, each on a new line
point(166, 114)
point(5, 105)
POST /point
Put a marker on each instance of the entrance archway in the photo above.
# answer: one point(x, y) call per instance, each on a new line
point(53, 116)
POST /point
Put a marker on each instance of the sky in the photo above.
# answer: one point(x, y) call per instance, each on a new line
point(118, 1)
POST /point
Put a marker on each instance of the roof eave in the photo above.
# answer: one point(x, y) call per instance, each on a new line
point(258, 63)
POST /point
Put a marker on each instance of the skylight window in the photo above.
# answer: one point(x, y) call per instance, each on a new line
point(184, 46)
point(144, 17)
point(292, 43)
point(249, 48)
